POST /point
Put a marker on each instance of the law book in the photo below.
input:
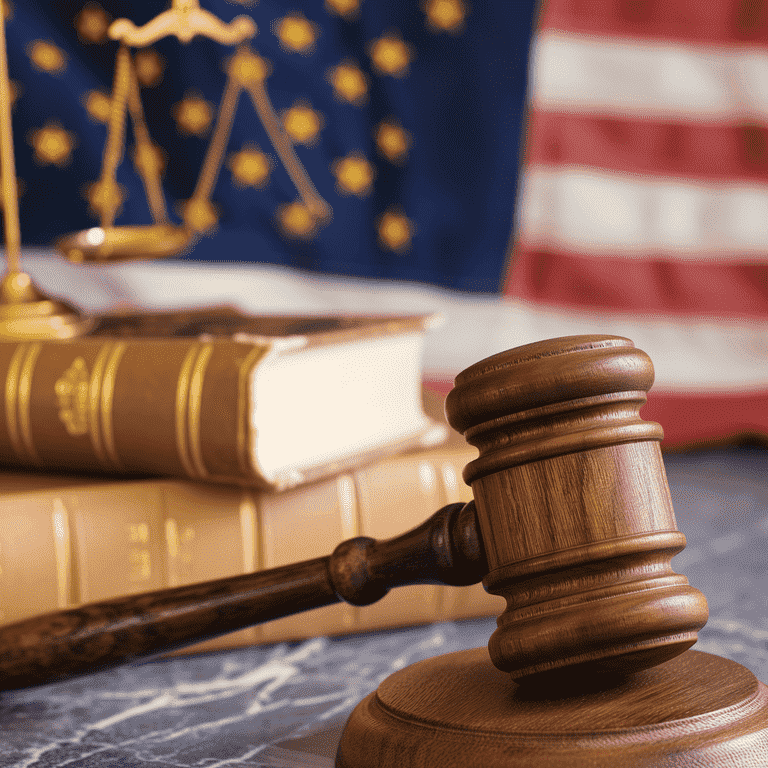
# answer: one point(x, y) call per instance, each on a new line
point(66, 540)
point(215, 395)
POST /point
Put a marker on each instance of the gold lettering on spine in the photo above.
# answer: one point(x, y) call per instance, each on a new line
point(11, 397)
point(182, 400)
point(25, 392)
point(62, 554)
point(106, 402)
point(194, 408)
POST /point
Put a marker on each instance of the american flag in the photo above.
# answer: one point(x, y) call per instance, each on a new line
point(589, 166)
point(644, 208)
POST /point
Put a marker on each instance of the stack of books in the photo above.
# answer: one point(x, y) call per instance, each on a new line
point(176, 448)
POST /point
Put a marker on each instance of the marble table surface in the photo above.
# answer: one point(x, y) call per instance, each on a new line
point(283, 706)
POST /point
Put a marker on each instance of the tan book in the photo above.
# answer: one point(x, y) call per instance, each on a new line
point(215, 395)
point(65, 540)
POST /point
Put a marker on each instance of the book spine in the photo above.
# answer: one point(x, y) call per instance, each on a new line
point(174, 407)
point(64, 547)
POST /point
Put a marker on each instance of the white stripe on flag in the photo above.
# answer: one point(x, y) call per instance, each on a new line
point(598, 213)
point(646, 78)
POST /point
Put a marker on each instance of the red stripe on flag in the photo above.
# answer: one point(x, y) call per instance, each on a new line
point(698, 419)
point(699, 151)
point(648, 286)
point(706, 419)
point(718, 22)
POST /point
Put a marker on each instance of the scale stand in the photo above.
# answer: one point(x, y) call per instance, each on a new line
point(246, 71)
point(25, 312)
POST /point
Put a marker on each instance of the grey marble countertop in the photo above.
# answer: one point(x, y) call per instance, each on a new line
point(283, 706)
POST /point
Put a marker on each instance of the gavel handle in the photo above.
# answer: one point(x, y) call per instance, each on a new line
point(446, 549)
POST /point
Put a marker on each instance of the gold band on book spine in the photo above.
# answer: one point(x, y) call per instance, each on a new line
point(62, 553)
point(189, 391)
point(18, 387)
point(101, 393)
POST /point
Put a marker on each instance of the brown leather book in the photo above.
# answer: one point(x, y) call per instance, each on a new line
point(66, 540)
point(215, 395)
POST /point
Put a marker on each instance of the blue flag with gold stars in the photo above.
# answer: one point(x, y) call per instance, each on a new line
point(354, 137)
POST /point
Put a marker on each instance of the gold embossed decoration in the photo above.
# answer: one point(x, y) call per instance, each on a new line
point(72, 396)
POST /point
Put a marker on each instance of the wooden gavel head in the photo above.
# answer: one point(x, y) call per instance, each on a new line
point(574, 510)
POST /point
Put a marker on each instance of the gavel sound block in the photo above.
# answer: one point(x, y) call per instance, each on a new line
point(571, 522)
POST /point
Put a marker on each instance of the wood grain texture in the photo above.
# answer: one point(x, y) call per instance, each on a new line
point(574, 509)
point(459, 711)
point(443, 550)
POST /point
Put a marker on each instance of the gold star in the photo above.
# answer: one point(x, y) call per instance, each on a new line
point(349, 83)
point(106, 194)
point(250, 167)
point(296, 220)
point(296, 33)
point(47, 57)
point(347, 8)
point(246, 67)
point(200, 214)
point(52, 145)
point(354, 174)
point(302, 123)
point(392, 140)
point(149, 67)
point(98, 104)
point(149, 159)
point(445, 15)
point(395, 231)
point(92, 24)
point(193, 115)
point(391, 55)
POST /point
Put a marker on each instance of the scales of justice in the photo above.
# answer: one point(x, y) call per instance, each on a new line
point(591, 665)
point(25, 313)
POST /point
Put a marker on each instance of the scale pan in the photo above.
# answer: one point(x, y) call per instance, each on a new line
point(103, 244)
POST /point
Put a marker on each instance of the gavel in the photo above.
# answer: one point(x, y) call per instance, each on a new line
point(571, 522)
